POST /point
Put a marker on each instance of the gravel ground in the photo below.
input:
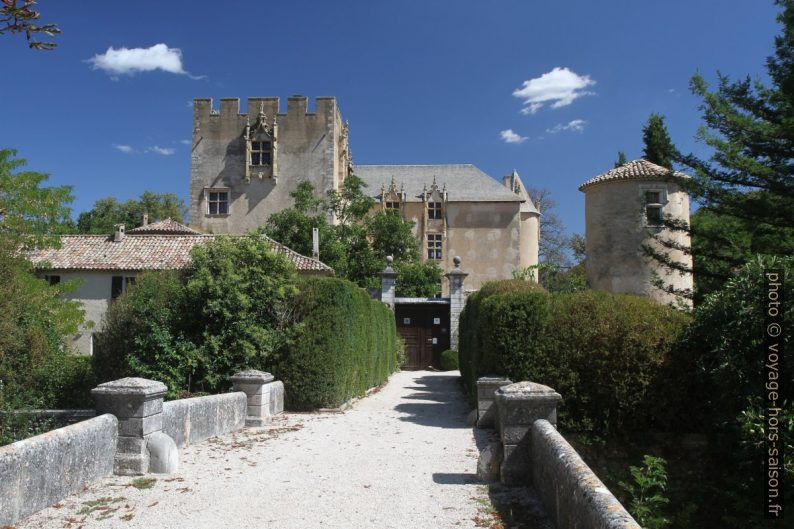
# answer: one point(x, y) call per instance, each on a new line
point(401, 458)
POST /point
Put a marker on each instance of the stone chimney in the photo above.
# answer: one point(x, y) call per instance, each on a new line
point(145, 220)
point(316, 243)
point(118, 234)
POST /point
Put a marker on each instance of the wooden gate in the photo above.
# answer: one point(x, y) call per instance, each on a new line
point(425, 329)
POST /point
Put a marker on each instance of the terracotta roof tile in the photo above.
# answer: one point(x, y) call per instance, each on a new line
point(143, 252)
point(633, 170)
point(166, 227)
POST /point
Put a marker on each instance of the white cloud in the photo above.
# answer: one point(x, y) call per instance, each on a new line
point(130, 61)
point(126, 149)
point(184, 142)
point(559, 87)
point(511, 137)
point(165, 151)
point(576, 125)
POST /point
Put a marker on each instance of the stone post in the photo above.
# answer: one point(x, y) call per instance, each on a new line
point(457, 299)
point(387, 283)
point(486, 400)
point(137, 403)
point(265, 397)
point(519, 405)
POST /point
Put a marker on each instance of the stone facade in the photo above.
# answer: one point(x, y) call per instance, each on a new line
point(258, 158)
point(456, 209)
point(621, 211)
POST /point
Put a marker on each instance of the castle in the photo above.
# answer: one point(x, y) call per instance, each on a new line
point(244, 166)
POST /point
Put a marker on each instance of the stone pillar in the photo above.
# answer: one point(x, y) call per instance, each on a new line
point(486, 400)
point(387, 283)
point(137, 403)
point(457, 299)
point(265, 397)
point(519, 405)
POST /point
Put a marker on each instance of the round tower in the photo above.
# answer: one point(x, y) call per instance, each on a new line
point(624, 210)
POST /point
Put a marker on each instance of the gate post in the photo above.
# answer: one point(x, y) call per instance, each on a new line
point(457, 298)
point(387, 283)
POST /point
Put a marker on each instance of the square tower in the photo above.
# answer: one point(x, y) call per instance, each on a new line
point(244, 166)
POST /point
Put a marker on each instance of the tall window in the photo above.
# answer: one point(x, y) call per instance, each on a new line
point(261, 153)
point(434, 210)
point(434, 246)
point(218, 202)
point(653, 208)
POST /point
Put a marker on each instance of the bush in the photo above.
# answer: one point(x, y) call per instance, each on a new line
point(230, 310)
point(449, 360)
point(347, 344)
point(600, 351)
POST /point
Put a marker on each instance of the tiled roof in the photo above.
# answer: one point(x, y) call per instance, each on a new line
point(165, 227)
point(143, 252)
point(464, 182)
point(633, 170)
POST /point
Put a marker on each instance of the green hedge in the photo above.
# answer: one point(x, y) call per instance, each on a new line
point(347, 344)
point(449, 360)
point(602, 352)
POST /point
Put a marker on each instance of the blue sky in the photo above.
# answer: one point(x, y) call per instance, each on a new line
point(420, 81)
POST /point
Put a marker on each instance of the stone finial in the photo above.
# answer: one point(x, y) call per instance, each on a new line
point(456, 261)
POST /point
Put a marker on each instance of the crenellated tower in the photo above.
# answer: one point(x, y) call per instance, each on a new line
point(245, 165)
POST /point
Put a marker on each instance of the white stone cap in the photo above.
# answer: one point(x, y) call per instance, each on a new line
point(527, 391)
point(253, 376)
point(131, 386)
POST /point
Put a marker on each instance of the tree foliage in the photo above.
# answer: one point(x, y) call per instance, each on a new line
point(30, 215)
point(621, 159)
point(554, 244)
point(658, 147)
point(20, 16)
point(357, 244)
point(107, 212)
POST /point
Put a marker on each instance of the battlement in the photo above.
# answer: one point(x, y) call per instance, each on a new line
point(230, 107)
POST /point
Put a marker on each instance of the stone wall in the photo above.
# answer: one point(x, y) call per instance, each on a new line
point(190, 421)
point(41, 470)
point(572, 494)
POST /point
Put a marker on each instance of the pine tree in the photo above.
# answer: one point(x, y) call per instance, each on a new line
point(659, 148)
point(621, 159)
point(746, 190)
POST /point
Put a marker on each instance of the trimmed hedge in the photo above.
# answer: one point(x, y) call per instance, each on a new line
point(602, 352)
point(347, 344)
point(449, 360)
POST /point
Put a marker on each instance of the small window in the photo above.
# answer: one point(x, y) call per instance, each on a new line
point(261, 153)
point(120, 284)
point(434, 210)
point(52, 280)
point(653, 208)
point(392, 205)
point(218, 202)
point(434, 246)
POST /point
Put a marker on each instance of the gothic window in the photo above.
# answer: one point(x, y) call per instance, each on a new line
point(434, 246)
point(261, 153)
point(434, 210)
point(653, 208)
point(217, 202)
point(393, 205)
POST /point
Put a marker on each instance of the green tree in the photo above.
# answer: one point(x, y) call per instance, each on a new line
point(30, 215)
point(107, 212)
point(19, 16)
point(658, 148)
point(621, 159)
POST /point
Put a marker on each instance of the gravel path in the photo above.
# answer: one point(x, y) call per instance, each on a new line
point(401, 458)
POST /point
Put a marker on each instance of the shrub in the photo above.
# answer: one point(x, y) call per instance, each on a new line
point(347, 344)
point(449, 360)
point(600, 351)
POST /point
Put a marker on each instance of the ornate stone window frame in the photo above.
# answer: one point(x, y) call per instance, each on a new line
point(255, 136)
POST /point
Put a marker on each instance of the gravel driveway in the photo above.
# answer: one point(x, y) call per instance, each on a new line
point(401, 458)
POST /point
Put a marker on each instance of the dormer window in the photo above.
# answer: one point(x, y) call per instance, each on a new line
point(393, 205)
point(434, 210)
point(261, 153)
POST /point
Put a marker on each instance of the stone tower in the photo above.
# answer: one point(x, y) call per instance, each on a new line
point(529, 218)
point(624, 209)
point(244, 166)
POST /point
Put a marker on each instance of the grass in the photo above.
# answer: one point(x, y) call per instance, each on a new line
point(100, 504)
point(143, 483)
